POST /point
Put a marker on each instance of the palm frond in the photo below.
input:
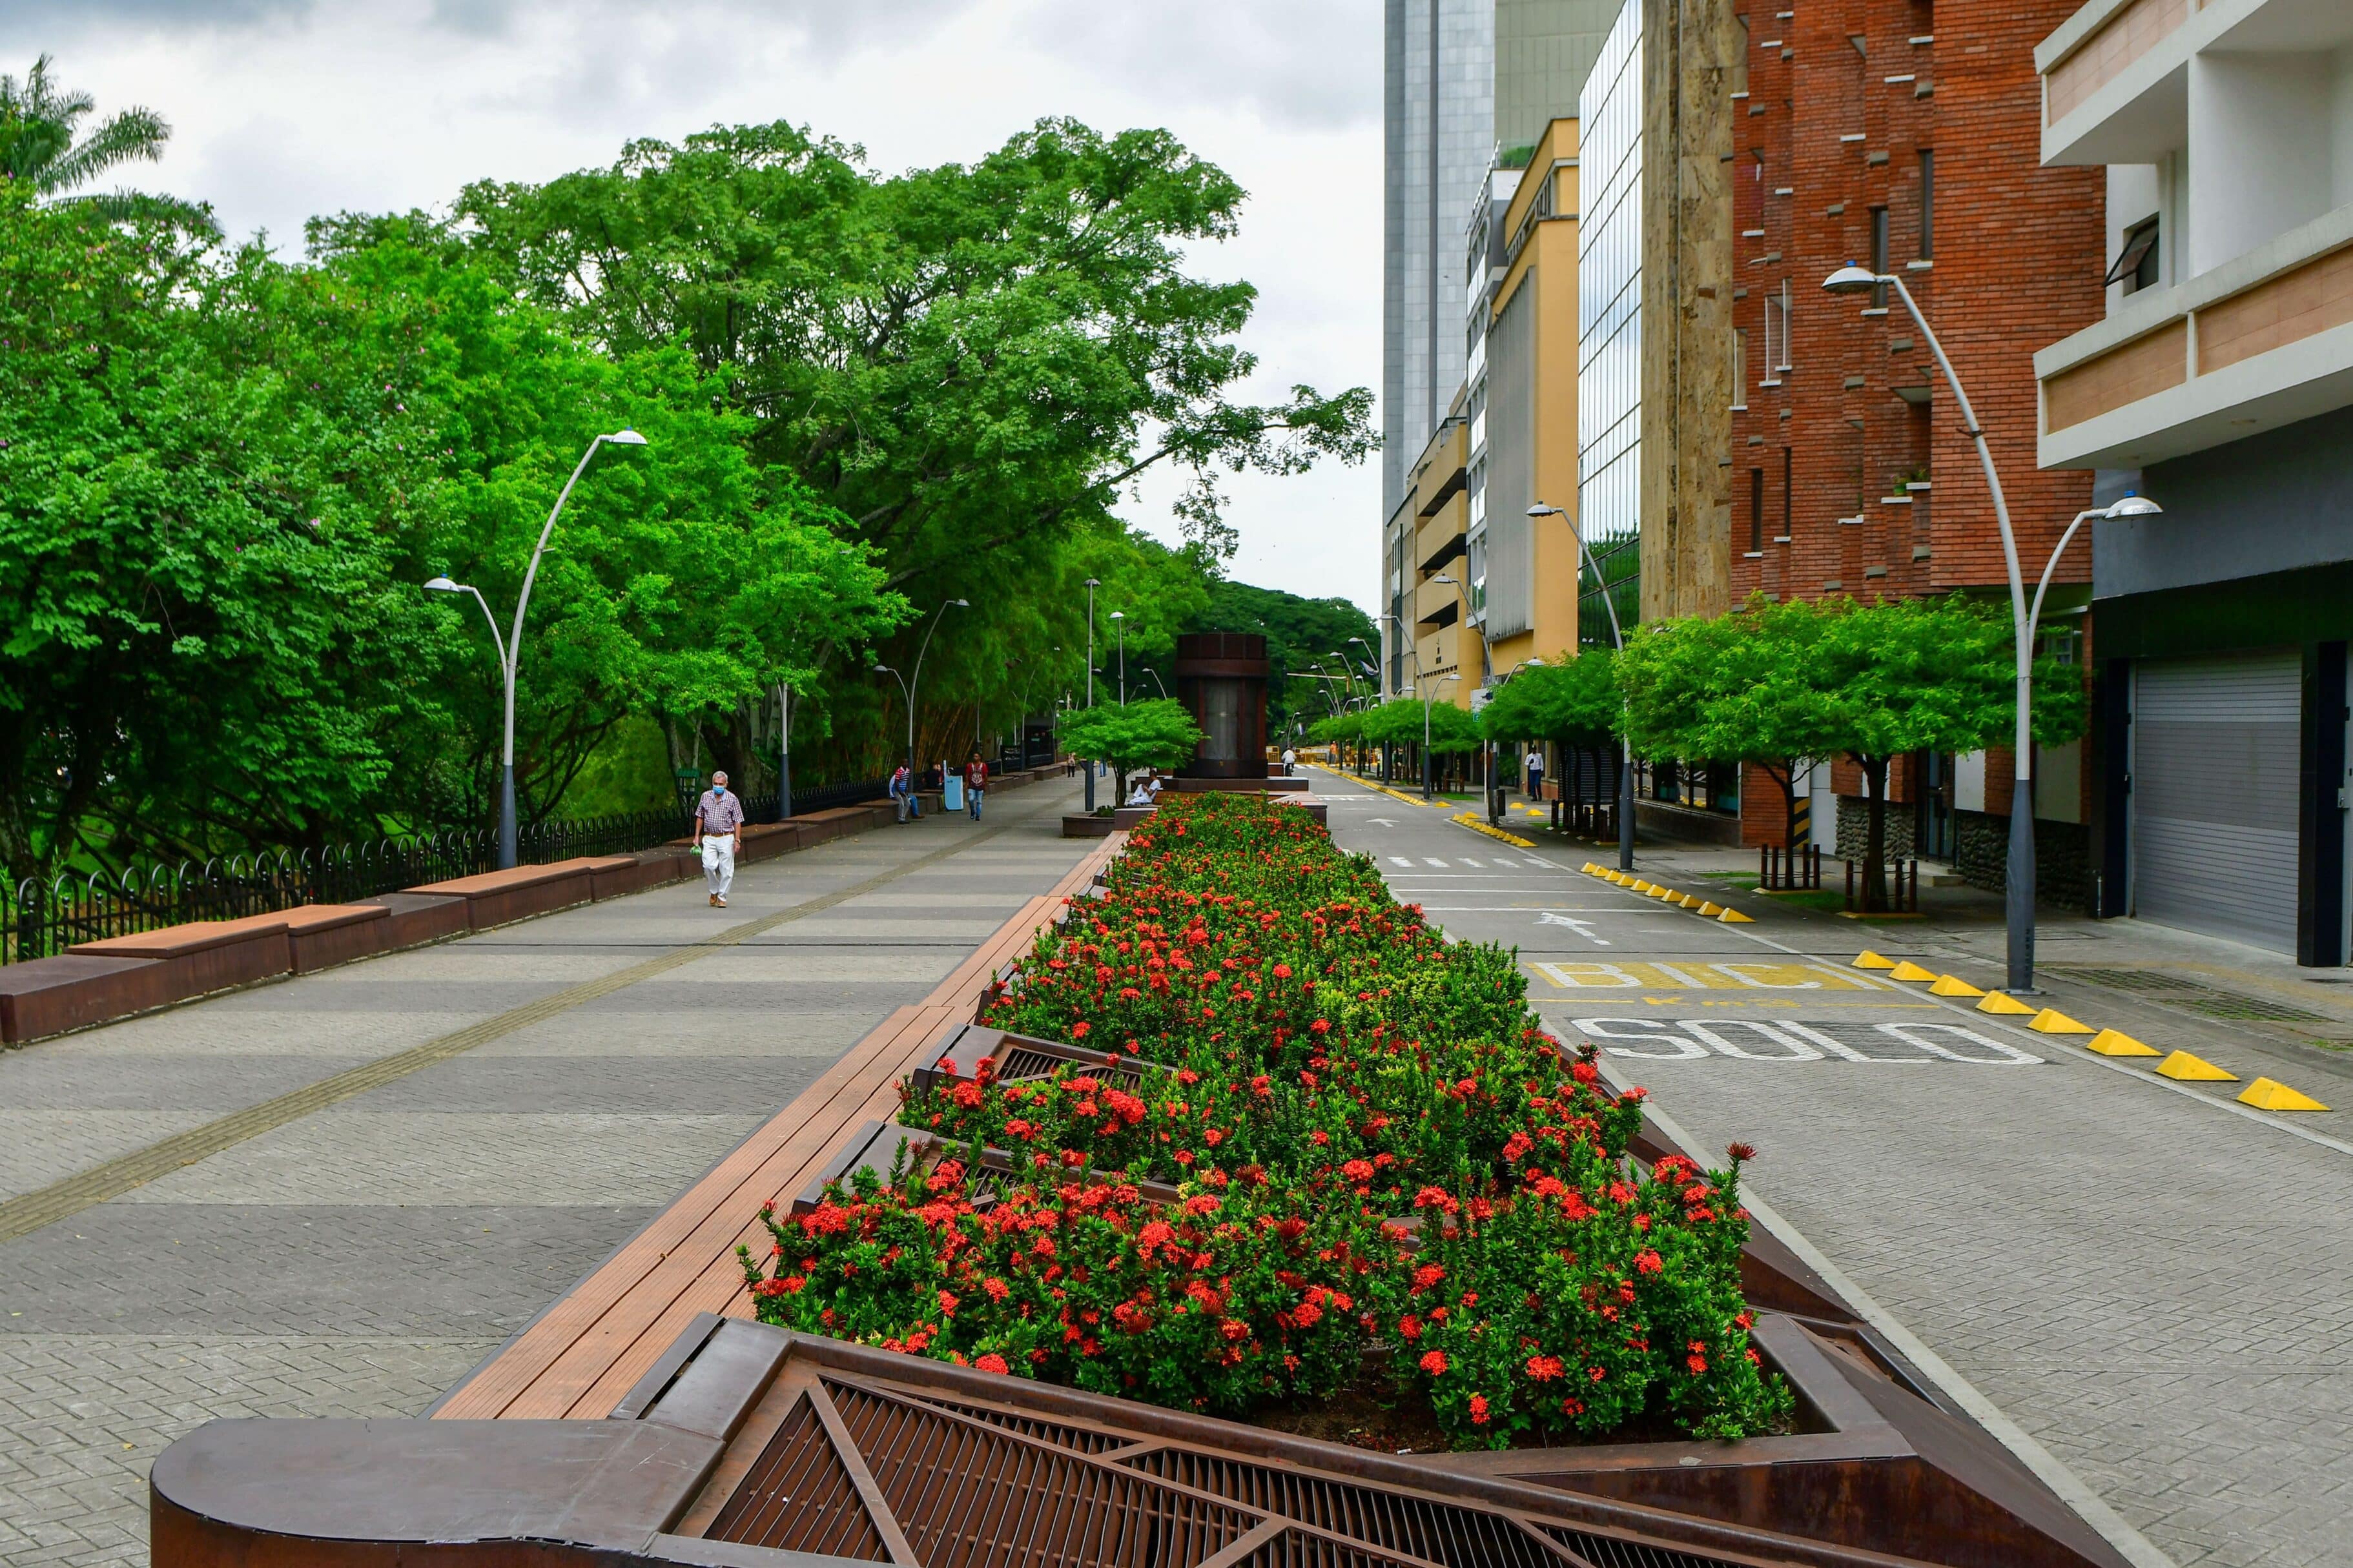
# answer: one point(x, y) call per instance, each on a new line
point(134, 206)
point(133, 134)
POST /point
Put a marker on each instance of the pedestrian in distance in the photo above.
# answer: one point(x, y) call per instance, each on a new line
point(1290, 762)
point(719, 834)
point(902, 791)
point(1535, 771)
point(975, 783)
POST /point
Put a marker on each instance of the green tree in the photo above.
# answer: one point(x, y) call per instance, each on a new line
point(1746, 687)
point(1927, 675)
point(970, 362)
point(1576, 704)
point(1149, 735)
point(39, 122)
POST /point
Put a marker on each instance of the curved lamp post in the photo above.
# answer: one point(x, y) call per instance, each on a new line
point(907, 687)
point(2017, 901)
point(1618, 639)
point(1426, 696)
point(511, 649)
point(1092, 583)
point(1118, 624)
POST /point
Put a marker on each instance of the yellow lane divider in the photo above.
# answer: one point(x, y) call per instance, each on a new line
point(1706, 908)
point(2264, 1094)
point(1477, 824)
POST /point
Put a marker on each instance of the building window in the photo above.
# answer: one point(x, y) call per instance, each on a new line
point(1739, 367)
point(1927, 203)
point(1755, 511)
point(1879, 256)
point(1739, 72)
point(1777, 334)
point(2136, 266)
point(1789, 490)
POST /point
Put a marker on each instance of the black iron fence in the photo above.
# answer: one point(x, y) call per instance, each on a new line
point(42, 917)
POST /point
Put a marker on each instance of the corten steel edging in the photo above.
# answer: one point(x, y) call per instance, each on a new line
point(928, 1381)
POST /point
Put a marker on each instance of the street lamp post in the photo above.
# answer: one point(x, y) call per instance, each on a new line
point(1092, 583)
point(511, 649)
point(1618, 640)
point(2017, 892)
point(909, 687)
point(1427, 695)
point(1119, 623)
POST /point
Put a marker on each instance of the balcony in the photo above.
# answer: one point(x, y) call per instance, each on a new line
point(1440, 540)
point(2116, 74)
point(1437, 603)
point(2263, 340)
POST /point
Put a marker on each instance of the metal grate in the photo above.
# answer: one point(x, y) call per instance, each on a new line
point(1458, 1537)
point(969, 1497)
point(1303, 1549)
point(1608, 1551)
point(798, 1497)
point(1084, 1439)
point(2193, 996)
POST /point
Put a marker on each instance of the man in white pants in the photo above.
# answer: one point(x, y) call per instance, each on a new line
point(719, 833)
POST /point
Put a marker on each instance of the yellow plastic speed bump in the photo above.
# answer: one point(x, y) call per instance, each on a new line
point(1867, 960)
point(1953, 985)
point(1734, 917)
point(2270, 1094)
point(2050, 1021)
point(1692, 901)
point(1711, 911)
point(1646, 887)
point(2188, 1068)
point(2007, 1006)
point(1589, 868)
point(1907, 969)
point(2117, 1043)
point(1664, 893)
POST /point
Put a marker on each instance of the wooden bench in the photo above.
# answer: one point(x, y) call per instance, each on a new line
point(497, 898)
point(206, 955)
point(593, 1344)
point(43, 996)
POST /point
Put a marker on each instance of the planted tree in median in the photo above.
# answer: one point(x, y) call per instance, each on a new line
point(1575, 704)
point(1156, 734)
point(1743, 687)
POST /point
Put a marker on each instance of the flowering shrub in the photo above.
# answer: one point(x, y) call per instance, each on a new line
point(1304, 1060)
point(1239, 1294)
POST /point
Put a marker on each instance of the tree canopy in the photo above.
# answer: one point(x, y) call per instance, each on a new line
point(42, 145)
point(1157, 733)
point(1575, 701)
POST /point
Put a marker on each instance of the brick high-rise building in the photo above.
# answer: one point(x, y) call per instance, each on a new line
point(1904, 135)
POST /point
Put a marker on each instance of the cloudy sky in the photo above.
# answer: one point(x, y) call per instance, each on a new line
point(282, 109)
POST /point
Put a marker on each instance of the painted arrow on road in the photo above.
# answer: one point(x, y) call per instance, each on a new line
point(1382, 821)
point(1582, 928)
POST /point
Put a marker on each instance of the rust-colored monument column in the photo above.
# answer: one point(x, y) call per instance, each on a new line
point(1221, 676)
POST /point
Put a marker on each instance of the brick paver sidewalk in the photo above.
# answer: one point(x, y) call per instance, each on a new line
point(359, 1260)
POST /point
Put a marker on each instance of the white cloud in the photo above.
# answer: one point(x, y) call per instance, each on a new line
point(286, 109)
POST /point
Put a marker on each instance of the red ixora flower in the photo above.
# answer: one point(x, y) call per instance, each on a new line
point(993, 1362)
point(1544, 1368)
point(1434, 1362)
point(1478, 1410)
point(1741, 1153)
point(1648, 1261)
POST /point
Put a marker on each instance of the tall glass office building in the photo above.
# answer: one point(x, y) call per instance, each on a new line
point(1609, 328)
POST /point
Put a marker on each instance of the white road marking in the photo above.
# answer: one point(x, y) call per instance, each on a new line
point(1428, 861)
point(1401, 860)
point(1582, 928)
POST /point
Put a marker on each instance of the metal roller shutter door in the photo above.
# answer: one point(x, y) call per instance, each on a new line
point(2217, 744)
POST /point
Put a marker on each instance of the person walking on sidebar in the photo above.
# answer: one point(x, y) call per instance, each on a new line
point(976, 781)
point(719, 834)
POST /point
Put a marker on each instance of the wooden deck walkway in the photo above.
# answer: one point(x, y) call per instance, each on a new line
point(587, 1349)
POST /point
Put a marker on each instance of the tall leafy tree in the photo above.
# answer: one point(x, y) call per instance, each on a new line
point(971, 362)
point(42, 145)
point(1157, 733)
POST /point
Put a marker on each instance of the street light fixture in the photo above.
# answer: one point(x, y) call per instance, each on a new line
point(1119, 620)
point(910, 686)
point(510, 649)
point(2018, 900)
point(1618, 640)
point(1092, 583)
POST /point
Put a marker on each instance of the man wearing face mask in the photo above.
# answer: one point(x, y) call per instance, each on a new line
point(719, 832)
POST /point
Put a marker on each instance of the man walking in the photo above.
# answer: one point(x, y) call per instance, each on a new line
point(976, 781)
point(719, 833)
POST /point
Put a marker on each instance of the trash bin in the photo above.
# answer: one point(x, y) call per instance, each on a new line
point(952, 793)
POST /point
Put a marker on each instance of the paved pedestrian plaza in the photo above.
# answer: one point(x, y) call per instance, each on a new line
point(359, 1257)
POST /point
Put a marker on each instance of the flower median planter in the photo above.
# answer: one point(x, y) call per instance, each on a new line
point(1102, 824)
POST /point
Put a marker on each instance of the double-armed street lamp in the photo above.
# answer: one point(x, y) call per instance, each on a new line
point(909, 687)
point(1618, 640)
point(510, 648)
point(1427, 695)
point(2019, 874)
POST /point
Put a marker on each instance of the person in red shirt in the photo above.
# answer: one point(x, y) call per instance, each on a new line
point(975, 780)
